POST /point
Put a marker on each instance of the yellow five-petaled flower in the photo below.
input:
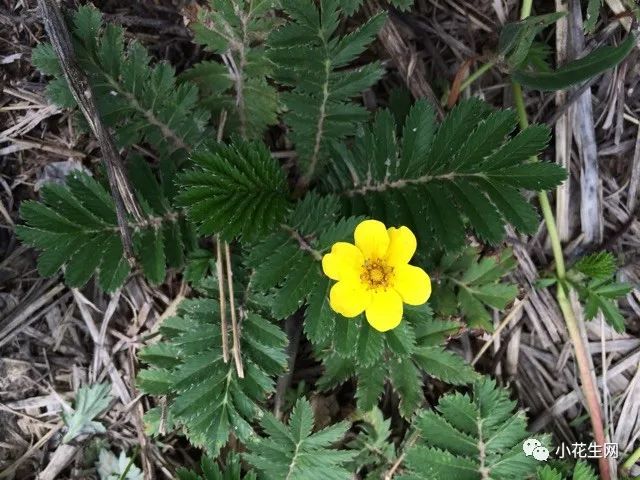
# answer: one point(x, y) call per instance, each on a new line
point(374, 275)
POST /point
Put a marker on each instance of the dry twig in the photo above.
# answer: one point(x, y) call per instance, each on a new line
point(124, 199)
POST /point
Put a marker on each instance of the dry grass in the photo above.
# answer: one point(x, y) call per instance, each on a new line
point(53, 339)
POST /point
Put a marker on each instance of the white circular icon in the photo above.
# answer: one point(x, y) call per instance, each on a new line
point(541, 454)
point(533, 447)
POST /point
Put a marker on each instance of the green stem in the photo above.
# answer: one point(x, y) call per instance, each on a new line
point(581, 355)
point(631, 461)
point(475, 75)
point(552, 228)
point(526, 9)
point(545, 206)
point(123, 475)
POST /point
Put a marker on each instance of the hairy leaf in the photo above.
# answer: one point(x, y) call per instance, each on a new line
point(471, 437)
point(312, 59)
point(294, 452)
point(469, 172)
point(237, 29)
point(75, 226)
point(90, 402)
point(471, 285)
point(235, 190)
point(110, 467)
point(206, 396)
point(142, 102)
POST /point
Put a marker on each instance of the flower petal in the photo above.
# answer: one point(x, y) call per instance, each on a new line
point(349, 298)
point(402, 246)
point(372, 239)
point(412, 283)
point(385, 310)
point(344, 262)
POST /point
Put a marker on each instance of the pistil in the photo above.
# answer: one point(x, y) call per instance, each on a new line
point(376, 274)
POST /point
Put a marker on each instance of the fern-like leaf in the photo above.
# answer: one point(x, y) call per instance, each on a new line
point(471, 286)
point(467, 171)
point(211, 471)
point(471, 438)
point(312, 59)
point(408, 352)
point(206, 396)
point(143, 103)
point(287, 265)
point(76, 228)
point(90, 402)
point(581, 471)
point(238, 30)
point(290, 260)
point(593, 277)
point(599, 265)
point(235, 190)
point(373, 444)
point(293, 452)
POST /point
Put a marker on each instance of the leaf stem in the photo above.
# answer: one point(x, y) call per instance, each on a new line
point(631, 461)
point(545, 206)
point(581, 356)
point(125, 472)
point(475, 75)
point(526, 9)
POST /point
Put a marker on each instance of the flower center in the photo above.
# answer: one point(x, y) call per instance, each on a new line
point(376, 274)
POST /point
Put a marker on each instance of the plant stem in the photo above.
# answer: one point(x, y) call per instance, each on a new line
point(475, 75)
point(526, 9)
point(581, 355)
point(630, 462)
point(545, 206)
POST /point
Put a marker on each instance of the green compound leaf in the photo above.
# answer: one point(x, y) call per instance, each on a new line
point(206, 396)
point(469, 171)
point(599, 265)
point(593, 277)
point(471, 285)
point(239, 30)
point(373, 444)
point(577, 71)
point(140, 101)
point(236, 190)
point(287, 262)
point(517, 38)
point(90, 402)
point(295, 453)
point(311, 57)
point(471, 437)
point(232, 470)
point(444, 365)
point(404, 356)
point(76, 229)
point(581, 471)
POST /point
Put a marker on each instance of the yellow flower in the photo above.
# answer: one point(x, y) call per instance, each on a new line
point(374, 275)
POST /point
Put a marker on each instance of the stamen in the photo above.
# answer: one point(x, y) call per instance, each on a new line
point(376, 274)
